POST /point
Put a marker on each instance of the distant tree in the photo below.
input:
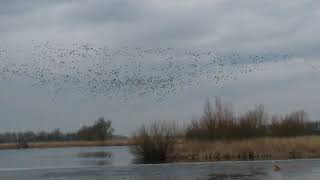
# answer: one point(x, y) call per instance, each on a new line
point(103, 129)
point(293, 124)
point(100, 130)
point(56, 135)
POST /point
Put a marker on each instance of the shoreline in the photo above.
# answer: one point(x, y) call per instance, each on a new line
point(159, 164)
point(193, 151)
point(61, 144)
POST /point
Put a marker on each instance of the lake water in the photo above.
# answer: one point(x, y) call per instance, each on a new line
point(97, 163)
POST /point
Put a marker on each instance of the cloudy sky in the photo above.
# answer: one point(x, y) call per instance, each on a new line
point(270, 29)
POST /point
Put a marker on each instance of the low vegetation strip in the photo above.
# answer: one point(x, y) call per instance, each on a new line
point(250, 149)
point(122, 142)
point(101, 130)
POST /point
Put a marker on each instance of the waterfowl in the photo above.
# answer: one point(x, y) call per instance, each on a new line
point(276, 167)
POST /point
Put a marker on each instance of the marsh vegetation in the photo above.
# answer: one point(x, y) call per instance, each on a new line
point(154, 142)
point(219, 134)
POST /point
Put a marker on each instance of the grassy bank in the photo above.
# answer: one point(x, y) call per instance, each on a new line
point(69, 144)
point(251, 149)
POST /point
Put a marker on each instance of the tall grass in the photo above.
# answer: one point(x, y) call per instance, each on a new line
point(155, 142)
point(249, 149)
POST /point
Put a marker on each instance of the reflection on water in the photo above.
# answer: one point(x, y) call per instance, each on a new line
point(113, 163)
point(99, 158)
point(144, 161)
point(99, 154)
point(65, 157)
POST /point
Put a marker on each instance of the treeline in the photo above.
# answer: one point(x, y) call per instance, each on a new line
point(220, 122)
point(100, 130)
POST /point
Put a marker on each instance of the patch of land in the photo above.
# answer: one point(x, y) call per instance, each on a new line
point(68, 144)
point(266, 148)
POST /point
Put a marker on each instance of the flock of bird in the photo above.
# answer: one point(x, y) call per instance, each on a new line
point(125, 71)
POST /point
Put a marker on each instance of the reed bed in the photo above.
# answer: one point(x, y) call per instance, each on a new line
point(249, 149)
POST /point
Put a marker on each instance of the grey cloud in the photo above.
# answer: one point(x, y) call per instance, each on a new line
point(242, 25)
point(21, 7)
point(246, 26)
point(93, 12)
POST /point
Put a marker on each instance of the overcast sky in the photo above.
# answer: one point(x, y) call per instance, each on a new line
point(224, 26)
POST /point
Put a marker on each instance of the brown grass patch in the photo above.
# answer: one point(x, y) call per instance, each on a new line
point(70, 144)
point(251, 149)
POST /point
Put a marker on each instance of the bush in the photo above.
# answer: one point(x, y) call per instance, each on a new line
point(155, 142)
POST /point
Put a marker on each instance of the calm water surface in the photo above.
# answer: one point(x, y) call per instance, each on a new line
point(114, 163)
